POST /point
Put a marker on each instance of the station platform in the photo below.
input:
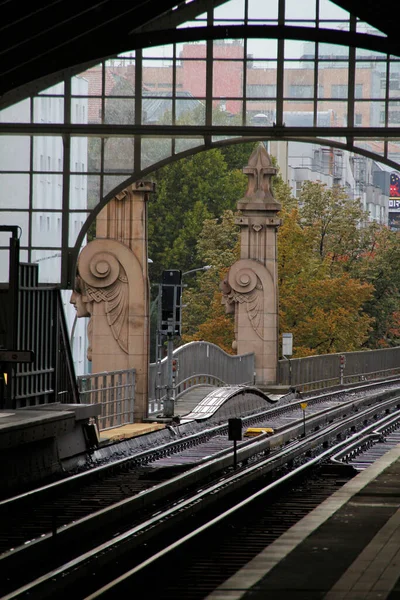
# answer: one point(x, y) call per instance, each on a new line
point(348, 548)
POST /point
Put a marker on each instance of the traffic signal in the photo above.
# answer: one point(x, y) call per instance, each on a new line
point(175, 365)
point(171, 292)
point(235, 429)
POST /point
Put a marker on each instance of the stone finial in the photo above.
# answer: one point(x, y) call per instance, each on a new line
point(259, 171)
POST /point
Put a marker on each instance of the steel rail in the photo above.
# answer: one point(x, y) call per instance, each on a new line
point(75, 481)
point(200, 500)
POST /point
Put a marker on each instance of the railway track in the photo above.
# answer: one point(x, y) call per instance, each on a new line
point(282, 452)
point(46, 510)
point(212, 554)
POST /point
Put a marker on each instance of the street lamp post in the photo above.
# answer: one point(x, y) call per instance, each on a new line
point(205, 268)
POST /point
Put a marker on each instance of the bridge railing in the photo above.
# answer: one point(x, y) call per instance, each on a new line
point(329, 370)
point(199, 363)
point(114, 391)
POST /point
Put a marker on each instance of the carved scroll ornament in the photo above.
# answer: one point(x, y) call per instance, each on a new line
point(245, 284)
point(105, 280)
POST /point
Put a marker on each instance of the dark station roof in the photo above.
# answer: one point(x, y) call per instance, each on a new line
point(42, 37)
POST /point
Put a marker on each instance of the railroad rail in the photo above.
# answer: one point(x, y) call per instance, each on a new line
point(209, 555)
point(283, 449)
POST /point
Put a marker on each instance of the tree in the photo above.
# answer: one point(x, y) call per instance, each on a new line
point(336, 218)
point(378, 265)
point(218, 246)
point(189, 191)
point(324, 311)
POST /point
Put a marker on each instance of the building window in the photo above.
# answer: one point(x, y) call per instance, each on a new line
point(339, 91)
point(41, 167)
point(260, 91)
point(301, 91)
point(394, 116)
point(358, 92)
point(358, 119)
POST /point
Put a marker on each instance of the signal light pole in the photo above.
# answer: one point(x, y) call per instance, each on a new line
point(169, 326)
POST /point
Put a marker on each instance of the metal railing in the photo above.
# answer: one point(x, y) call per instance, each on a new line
point(329, 370)
point(203, 363)
point(114, 391)
point(198, 363)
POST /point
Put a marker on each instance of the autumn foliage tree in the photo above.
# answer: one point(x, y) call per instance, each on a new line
point(338, 272)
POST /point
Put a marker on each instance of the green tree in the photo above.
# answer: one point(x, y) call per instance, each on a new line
point(189, 191)
point(218, 246)
point(378, 265)
point(338, 220)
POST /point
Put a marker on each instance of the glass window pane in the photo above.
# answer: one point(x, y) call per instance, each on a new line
point(120, 77)
point(88, 83)
point(78, 191)
point(299, 50)
point(15, 153)
point(299, 83)
point(266, 10)
point(329, 10)
point(19, 218)
point(298, 114)
point(372, 113)
point(46, 229)
point(47, 190)
point(191, 78)
point(190, 112)
point(15, 187)
point(49, 262)
point(112, 184)
point(95, 110)
point(93, 190)
point(182, 144)
point(297, 10)
point(119, 111)
point(335, 113)
point(260, 112)
point(17, 113)
point(227, 112)
point(118, 154)
point(48, 110)
point(262, 49)
point(194, 50)
point(154, 150)
point(48, 152)
point(54, 90)
point(166, 51)
point(157, 77)
point(79, 154)
point(94, 149)
point(394, 114)
point(156, 110)
point(227, 79)
point(261, 79)
point(76, 222)
point(234, 9)
point(4, 263)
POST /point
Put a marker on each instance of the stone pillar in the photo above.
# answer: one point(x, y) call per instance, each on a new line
point(113, 274)
point(251, 286)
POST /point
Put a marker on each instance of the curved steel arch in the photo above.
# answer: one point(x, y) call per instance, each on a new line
point(242, 132)
point(146, 172)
